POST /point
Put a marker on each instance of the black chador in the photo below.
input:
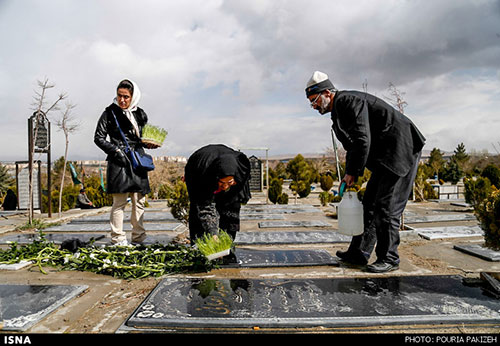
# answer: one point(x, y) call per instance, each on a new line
point(213, 208)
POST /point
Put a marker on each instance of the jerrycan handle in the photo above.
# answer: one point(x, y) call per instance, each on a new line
point(342, 189)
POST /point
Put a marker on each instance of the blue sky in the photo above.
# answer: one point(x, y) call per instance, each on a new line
point(234, 72)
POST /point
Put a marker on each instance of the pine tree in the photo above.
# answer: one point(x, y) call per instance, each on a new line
point(460, 156)
point(301, 175)
point(436, 161)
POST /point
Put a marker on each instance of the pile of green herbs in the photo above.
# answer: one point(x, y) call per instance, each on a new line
point(125, 262)
point(209, 245)
point(154, 133)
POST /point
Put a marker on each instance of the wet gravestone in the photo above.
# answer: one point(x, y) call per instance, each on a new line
point(479, 251)
point(278, 209)
point(283, 258)
point(21, 306)
point(295, 303)
point(58, 238)
point(293, 224)
point(282, 237)
point(97, 227)
point(414, 218)
point(450, 232)
point(151, 216)
point(247, 217)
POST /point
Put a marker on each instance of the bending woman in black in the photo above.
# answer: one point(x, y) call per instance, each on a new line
point(217, 178)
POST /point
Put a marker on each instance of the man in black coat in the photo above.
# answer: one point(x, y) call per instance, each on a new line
point(217, 179)
point(378, 137)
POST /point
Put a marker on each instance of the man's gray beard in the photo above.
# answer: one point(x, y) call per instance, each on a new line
point(323, 109)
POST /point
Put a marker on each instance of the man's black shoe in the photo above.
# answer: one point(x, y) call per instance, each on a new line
point(382, 267)
point(347, 257)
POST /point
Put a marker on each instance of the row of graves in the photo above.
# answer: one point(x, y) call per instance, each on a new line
point(274, 238)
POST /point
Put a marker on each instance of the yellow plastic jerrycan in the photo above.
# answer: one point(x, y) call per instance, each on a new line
point(350, 213)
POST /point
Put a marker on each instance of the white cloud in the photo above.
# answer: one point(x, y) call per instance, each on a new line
point(235, 71)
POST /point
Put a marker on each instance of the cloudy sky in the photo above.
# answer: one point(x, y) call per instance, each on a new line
point(234, 71)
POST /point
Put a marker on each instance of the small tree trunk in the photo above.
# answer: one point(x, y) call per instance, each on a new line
point(63, 173)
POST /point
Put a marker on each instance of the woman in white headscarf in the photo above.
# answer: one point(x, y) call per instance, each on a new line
point(122, 180)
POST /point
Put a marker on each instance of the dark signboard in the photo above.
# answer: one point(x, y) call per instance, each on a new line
point(255, 174)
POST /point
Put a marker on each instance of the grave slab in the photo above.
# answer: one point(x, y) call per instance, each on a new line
point(97, 227)
point(450, 232)
point(293, 224)
point(413, 218)
point(294, 303)
point(15, 266)
point(248, 217)
point(479, 251)
point(58, 238)
point(283, 237)
point(151, 216)
point(491, 279)
point(277, 211)
point(22, 306)
point(276, 206)
point(283, 258)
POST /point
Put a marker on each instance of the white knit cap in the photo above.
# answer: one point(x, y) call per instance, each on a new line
point(317, 83)
point(317, 77)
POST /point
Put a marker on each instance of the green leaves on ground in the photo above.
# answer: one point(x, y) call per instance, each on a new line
point(121, 261)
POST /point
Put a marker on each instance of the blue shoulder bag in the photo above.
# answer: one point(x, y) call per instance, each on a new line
point(140, 162)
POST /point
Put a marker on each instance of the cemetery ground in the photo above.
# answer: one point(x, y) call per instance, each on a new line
point(105, 303)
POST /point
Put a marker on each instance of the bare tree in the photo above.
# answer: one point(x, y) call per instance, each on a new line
point(397, 101)
point(66, 124)
point(365, 85)
point(38, 106)
point(397, 98)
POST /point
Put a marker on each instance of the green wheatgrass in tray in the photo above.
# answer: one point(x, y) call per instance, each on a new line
point(208, 245)
point(154, 134)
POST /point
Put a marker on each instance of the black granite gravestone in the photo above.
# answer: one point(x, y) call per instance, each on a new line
point(58, 238)
point(21, 306)
point(279, 210)
point(151, 216)
point(294, 303)
point(247, 217)
point(297, 237)
point(249, 258)
point(479, 251)
point(414, 218)
point(293, 224)
point(449, 232)
point(97, 227)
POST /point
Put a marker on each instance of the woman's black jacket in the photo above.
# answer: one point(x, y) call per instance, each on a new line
point(120, 176)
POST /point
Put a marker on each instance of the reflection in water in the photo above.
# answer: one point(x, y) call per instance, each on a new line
point(396, 297)
point(219, 297)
